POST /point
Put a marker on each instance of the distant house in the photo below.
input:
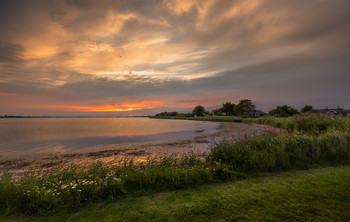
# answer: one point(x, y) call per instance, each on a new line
point(256, 113)
point(332, 112)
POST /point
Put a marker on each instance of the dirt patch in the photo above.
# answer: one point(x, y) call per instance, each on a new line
point(51, 164)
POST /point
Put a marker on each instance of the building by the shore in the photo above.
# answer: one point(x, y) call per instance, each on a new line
point(332, 112)
point(256, 113)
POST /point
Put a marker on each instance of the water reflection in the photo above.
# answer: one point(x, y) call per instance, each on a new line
point(25, 136)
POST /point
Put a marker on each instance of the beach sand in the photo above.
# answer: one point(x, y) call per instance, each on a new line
point(112, 154)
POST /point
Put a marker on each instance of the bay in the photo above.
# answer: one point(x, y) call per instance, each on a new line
point(47, 135)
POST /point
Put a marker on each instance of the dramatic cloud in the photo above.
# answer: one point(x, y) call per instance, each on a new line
point(92, 57)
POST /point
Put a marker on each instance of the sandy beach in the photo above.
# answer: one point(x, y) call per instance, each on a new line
point(139, 152)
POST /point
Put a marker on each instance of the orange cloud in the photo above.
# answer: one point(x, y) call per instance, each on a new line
point(127, 106)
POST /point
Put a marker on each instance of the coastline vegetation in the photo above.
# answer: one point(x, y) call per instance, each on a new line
point(232, 112)
point(309, 124)
point(311, 141)
point(203, 118)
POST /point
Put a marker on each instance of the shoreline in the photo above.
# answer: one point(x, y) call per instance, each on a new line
point(112, 155)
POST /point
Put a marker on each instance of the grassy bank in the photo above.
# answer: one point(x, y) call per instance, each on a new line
point(203, 118)
point(315, 195)
point(68, 190)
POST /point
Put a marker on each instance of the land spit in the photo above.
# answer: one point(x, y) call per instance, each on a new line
point(113, 155)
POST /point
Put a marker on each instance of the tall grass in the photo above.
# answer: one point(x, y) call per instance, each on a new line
point(306, 124)
point(271, 153)
point(67, 190)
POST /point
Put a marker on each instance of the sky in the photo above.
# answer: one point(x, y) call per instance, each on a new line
point(141, 57)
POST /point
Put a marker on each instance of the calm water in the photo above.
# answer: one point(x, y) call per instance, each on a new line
point(36, 135)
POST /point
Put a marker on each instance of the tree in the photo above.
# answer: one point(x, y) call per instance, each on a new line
point(167, 114)
point(244, 105)
point(198, 111)
point(227, 108)
point(218, 112)
point(188, 115)
point(283, 111)
point(306, 108)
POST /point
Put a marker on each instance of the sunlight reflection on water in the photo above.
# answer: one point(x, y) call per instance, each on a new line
point(35, 135)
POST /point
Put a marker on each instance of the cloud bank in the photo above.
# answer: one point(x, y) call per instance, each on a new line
point(92, 57)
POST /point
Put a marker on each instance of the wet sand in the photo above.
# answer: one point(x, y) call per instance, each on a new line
point(138, 152)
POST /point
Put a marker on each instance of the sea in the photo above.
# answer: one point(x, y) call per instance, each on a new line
point(52, 135)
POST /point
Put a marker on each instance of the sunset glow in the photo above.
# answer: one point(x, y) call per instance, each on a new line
point(112, 108)
point(143, 57)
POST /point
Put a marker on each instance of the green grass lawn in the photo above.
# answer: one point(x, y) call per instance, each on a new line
point(313, 195)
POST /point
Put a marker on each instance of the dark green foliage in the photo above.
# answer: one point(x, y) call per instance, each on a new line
point(198, 111)
point(167, 114)
point(283, 111)
point(205, 118)
point(244, 105)
point(218, 112)
point(227, 108)
point(188, 115)
point(306, 108)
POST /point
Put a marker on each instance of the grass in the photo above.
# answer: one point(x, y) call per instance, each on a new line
point(305, 124)
point(273, 153)
point(314, 195)
point(67, 190)
point(313, 141)
point(204, 118)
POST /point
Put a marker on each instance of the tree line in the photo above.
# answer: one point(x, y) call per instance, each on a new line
point(244, 106)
